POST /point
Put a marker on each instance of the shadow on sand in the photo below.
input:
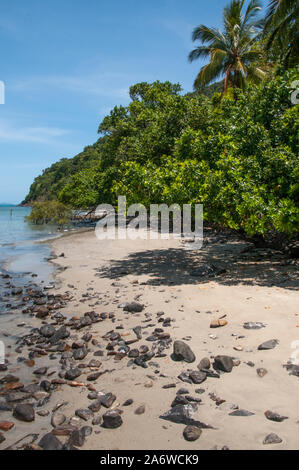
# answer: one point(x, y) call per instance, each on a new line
point(237, 263)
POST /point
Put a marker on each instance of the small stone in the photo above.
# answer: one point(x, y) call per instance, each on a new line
point(6, 425)
point(95, 406)
point(182, 351)
point(24, 412)
point(42, 312)
point(218, 323)
point(271, 344)
point(43, 413)
point(79, 354)
point(184, 377)
point(112, 419)
point(205, 363)
point(50, 442)
point(77, 438)
point(2, 438)
point(41, 371)
point(93, 377)
point(57, 420)
point(47, 331)
point(133, 307)
point(261, 372)
point(198, 377)
point(275, 416)
point(241, 413)
point(224, 363)
point(72, 374)
point(140, 410)
point(182, 391)
point(272, 439)
point(128, 402)
point(84, 414)
point(96, 420)
point(107, 400)
point(253, 325)
point(192, 433)
point(169, 386)
point(45, 385)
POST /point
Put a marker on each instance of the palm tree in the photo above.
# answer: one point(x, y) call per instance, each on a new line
point(233, 53)
point(282, 30)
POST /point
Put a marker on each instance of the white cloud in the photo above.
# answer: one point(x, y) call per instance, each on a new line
point(10, 132)
point(102, 85)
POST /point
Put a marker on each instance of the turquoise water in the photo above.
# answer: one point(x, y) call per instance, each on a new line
point(19, 252)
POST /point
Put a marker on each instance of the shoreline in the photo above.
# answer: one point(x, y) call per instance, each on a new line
point(162, 276)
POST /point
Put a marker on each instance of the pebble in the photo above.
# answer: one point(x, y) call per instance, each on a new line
point(24, 412)
point(107, 400)
point(128, 402)
point(84, 414)
point(57, 420)
point(218, 323)
point(253, 325)
point(272, 439)
point(132, 307)
point(241, 413)
point(224, 363)
point(275, 416)
point(261, 372)
point(271, 344)
point(112, 419)
point(205, 363)
point(72, 374)
point(182, 351)
point(6, 425)
point(50, 442)
point(198, 377)
point(140, 410)
point(192, 433)
point(77, 438)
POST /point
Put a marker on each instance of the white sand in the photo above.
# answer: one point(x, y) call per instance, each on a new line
point(187, 301)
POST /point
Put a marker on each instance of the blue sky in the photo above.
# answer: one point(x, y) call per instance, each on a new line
point(66, 63)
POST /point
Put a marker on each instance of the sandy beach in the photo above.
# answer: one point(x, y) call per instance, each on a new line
point(179, 302)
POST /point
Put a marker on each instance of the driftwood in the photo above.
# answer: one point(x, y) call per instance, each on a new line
point(34, 438)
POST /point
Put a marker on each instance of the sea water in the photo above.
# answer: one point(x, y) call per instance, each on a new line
point(21, 250)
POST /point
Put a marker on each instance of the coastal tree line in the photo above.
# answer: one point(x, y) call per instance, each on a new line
point(231, 144)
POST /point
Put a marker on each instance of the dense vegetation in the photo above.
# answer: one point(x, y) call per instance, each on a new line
point(234, 150)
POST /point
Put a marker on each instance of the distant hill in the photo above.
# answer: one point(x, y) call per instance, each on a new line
point(48, 185)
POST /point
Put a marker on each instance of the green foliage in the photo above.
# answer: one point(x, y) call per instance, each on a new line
point(50, 212)
point(233, 53)
point(236, 154)
point(281, 31)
